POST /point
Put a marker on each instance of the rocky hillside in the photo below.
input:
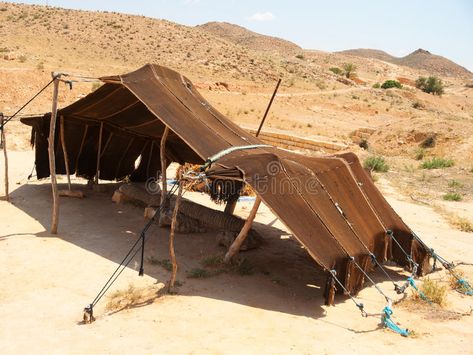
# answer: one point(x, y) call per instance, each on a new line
point(47, 37)
point(242, 36)
point(419, 59)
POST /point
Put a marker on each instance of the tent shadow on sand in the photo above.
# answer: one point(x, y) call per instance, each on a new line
point(284, 279)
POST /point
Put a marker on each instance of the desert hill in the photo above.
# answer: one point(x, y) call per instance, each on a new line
point(42, 35)
point(419, 59)
point(250, 39)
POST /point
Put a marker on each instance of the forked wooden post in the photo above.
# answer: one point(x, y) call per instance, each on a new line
point(236, 245)
point(5, 155)
point(172, 254)
point(162, 153)
point(230, 206)
point(99, 153)
point(52, 157)
point(64, 151)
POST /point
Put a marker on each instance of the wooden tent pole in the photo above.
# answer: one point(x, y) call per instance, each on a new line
point(268, 108)
point(163, 170)
point(5, 155)
point(99, 151)
point(236, 245)
point(52, 157)
point(64, 151)
point(172, 254)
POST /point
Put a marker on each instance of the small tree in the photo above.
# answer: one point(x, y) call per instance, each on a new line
point(430, 85)
point(349, 69)
point(391, 84)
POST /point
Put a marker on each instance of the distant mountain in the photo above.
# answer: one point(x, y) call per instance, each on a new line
point(242, 36)
point(419, 59)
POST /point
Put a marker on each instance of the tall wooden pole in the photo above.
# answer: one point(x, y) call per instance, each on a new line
point(164, 166)
point(64, 151)
point(236, 245)
point(164, 201)
point(231, 205)
point(52, 157)
point(268, 108)
point(5, 155)
point(172, 254)
point(99, 153)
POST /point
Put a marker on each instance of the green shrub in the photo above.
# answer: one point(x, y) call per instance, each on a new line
point(452, 196)
point(437, 163)
point(388, 84)
point(430, 85)
point(336, 70)
point(454, 184)
point(418, 105)
point(300, 56)
point(376, 163)
point(376, 86)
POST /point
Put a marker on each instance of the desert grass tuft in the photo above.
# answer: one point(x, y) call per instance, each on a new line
point(452, 196)
point(165, 263)
point(199, 273)
point(434, 291)
point(437, 163)
point(132, 296)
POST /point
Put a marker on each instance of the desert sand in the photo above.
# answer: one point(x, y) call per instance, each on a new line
point(277, 309)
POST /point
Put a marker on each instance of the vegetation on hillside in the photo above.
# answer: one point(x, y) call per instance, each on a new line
point(431, 85)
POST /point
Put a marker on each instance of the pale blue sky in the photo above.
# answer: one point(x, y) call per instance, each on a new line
point(398, 27)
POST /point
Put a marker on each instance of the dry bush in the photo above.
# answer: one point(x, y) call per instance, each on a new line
point(456, 221)
point(132, 296)
point(434, 291)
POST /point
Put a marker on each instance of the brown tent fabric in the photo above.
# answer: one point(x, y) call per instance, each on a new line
point(329, 203)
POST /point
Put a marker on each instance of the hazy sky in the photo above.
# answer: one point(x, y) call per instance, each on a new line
point(444, 27)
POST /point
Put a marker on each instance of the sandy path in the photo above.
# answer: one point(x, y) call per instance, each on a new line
point(47, 280)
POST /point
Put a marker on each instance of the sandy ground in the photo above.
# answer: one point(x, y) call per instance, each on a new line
point(47, 280)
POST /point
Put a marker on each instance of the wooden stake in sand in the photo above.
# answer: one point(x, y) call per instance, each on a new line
point(172, 254)
point(5, 155)
point(52, 157)
point(236, 245)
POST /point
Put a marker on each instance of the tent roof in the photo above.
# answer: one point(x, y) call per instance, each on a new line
point(329, 203)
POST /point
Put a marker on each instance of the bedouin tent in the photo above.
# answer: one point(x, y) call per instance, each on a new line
point(329, 203)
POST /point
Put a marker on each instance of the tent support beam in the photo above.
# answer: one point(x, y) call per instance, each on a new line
point(164, 200)
point(236, 245)
point(230, 206)
point(64, 151)
point(52, 157)
point(99, 153)
point(172, 254)
point(86, 129)
point(5, 156)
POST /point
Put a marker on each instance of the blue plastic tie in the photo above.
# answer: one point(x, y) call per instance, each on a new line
point(388, 322)
point(414, 286)
point(465, 285)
